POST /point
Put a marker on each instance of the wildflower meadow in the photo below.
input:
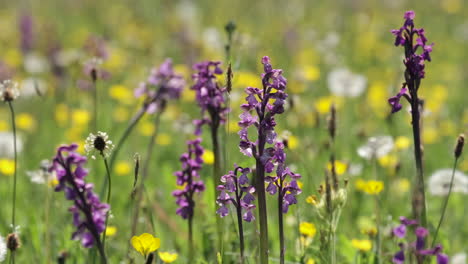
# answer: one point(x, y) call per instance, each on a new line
point(291, 132)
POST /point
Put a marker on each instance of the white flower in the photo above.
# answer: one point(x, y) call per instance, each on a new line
point(342, 82)
point(3, 249)
point(35, 63)
point(459, 258)
point(6, 145)
point(32, 87)
point(355, 169)
point(8, 90)
point(376, 147)
point(99, 143)
point(439, 182)
point(42, 175)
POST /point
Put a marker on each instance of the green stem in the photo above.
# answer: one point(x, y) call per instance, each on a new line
point(95, 106)
point(108, 200)
point(419, 198)
point(444, 208)
point(216, 180)
point(13, 213)
point(262, 211)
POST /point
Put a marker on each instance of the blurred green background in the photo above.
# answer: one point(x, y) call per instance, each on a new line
point(307, 39)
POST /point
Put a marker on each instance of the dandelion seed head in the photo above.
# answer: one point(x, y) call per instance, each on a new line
point(9, 91)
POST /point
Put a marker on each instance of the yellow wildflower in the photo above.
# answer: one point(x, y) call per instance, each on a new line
point(163, 139)
point(402, 142)
point(312, 199)
point(340, 167)
point(311, 73)
point(300, 184)
point(61, 114)
point(362, 245)
point(310, 261)
point(146, 128)
point(208, 157)
point(307, 229)
point(145, 243)
point(80, 117)
point(13, 57)
point(120, 114)
point(3, 125)
point(167, 257)
point(388, 161)
point(293, 142)
point(26, 122)
point(121, 94)
point(7, 166)
point(374, 187)
point(360, 184)
point(123, 168)
point(111, 231)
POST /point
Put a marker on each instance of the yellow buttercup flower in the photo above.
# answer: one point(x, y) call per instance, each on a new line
point(163, 139)
point(360, 184)
point(145, 243)
point(208, 157)
point(374, 187)
point(311, 73)
point(307, 229)
point(293, 142)
point(312, 199)
point(323, 104)
point(3, 126)
point(310, 261)
point(167, 257)
point(111, 231)
point(362, 245)
point(123, 168)
point(26, 122)
point(388, 161)
point(7, 166)
point(340, 167)
point(402, 142)
point(121, 94)
point(80, 117)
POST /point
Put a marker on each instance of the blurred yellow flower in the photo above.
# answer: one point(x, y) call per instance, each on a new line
point(362, 245)
point(121, 94)
point(307, 229)
point(123, 168)
point(145, 243)
point(401, 185)
point(323, 104)
point(402, 142)
point(4, 125)
point(7, 166)
point(373, 187)
point(163, 139)
point(13, 57)
point(375, 96)
point(188, 95)
point(310, 261)
point(120, 114)
point(208, 157)
point(430, 135)
point(452, 6)
point(80, 117)
point(243, 79)
point(26, 122)
point(312, 199)
point(111, 231)
point(167, 257)
point(388, 161)
point(61, 114)
point(360, 184)
point(340, 167)
point(146, 128)
point(116, 60)
point(293, 142)
point(370, 231)
point(311, 73)
point(300, 184)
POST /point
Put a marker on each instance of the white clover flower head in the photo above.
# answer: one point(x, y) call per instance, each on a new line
point(376, 147)
point(439, 182)
point(9, 90)
point(342, 82)
point(3, 249)
point(98, 143)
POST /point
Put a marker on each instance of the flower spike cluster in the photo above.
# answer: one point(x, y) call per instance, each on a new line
point(417, 51)
point(187, 178)
point(418, 247)
point(209, 95)
point(168, 84)
point(89, 213)
point(237, 191)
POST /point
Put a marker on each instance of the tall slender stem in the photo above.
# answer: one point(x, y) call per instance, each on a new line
point(419, 199)
point(241, 231)
point(109, 190)
point(216, 176)
point(13, 123)
point(190, 237)
point(262, 210)
point(13, 210)
point(139, 190)
point(444, 208)
point(280, 224)
point(95, 105)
